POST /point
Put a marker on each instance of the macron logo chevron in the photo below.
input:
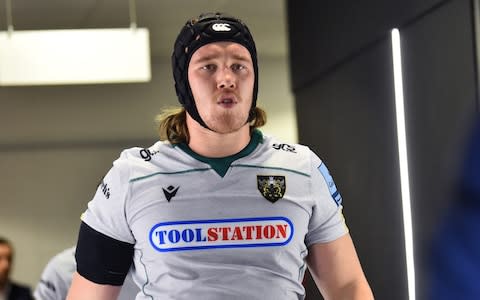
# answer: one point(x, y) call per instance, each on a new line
point(170, 192)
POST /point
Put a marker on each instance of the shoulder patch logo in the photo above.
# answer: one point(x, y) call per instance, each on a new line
point(271, 187)
point(330, 183)
point(170, 192)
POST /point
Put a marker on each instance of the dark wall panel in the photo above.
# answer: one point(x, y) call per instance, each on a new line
point(324, 33)
point(439, 80)
point(342, 79)
point(348, 119)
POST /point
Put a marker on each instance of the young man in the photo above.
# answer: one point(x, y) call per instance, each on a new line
point(218, 211)
point(10, 290)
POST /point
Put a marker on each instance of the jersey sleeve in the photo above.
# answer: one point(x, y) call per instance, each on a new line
point(327, 222)
point(106, 211)
point(105, 242)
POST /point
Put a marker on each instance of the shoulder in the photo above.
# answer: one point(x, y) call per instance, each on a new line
point(292, 155)
point(137, 161)
point(284, 146)
point(139, 154)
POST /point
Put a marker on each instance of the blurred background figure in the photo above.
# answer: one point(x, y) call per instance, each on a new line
point(10, 290)
point(455, 264)
point(57, 277)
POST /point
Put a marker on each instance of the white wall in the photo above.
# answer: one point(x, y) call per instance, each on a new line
point(277, 99)
point(57, 142)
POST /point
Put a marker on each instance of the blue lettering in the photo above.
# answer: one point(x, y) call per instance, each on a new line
point(188, 235)
point(199, 235)
point(174, 236)
point(160, 235)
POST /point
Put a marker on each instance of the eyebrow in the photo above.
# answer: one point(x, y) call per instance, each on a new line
point(205, 58)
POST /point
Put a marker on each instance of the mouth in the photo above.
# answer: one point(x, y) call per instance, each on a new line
point(227, 100)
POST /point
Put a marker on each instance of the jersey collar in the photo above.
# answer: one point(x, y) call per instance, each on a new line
point(221, 164)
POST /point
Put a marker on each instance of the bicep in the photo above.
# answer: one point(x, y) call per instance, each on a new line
point(83, 288)
point(335, 266)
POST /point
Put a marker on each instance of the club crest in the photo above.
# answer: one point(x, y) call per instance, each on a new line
point(271, 187)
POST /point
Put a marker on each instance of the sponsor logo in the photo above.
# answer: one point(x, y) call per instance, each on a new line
point(284, 147)
point(223, 233)
point(271, 187)
point(105, 189)
point(170, 192)
point(48, 284)
point(221, 27)
point(330, 183)
point(146, 154)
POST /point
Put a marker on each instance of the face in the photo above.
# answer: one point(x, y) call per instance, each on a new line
point(5, 262)
point(221, 78)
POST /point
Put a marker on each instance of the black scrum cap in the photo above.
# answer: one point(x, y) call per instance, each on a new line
point(208, 28)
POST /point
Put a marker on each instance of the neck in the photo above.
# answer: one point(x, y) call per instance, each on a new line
point(208, 143)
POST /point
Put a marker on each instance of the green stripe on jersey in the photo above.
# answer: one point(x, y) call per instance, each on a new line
point(271, 168)
point(169, 173)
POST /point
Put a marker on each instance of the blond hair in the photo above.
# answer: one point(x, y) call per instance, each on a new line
point(172, 125)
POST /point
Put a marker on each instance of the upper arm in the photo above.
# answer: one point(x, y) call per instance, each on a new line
point(83, 288)
point(105, 243)
point(337, 271)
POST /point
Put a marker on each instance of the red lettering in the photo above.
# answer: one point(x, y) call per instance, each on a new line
point(258, 229)
point(249, 230)
point(212, 234)
point(237, 234)
point(225, 231)
point(269, 231)
point(282, 230)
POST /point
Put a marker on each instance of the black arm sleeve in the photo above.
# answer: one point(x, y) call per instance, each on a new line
point(102, 259)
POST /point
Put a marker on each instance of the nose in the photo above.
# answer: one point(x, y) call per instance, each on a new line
point(226, 79)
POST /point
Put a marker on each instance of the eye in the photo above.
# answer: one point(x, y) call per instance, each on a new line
point(237, 67)
point(209, 67)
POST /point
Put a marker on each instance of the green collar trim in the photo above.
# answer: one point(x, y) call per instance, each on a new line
point(222, 164)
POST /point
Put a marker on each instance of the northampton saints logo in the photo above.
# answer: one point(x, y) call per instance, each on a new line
point(271, 187)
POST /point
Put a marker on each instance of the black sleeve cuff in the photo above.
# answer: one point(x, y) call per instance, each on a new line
point(102, 259)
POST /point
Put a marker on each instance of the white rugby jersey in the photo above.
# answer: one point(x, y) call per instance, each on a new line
point(230, 228)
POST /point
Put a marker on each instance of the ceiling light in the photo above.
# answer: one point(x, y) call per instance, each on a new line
point(78, 56)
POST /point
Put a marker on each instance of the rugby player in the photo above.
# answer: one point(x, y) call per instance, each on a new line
point(216, 209)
